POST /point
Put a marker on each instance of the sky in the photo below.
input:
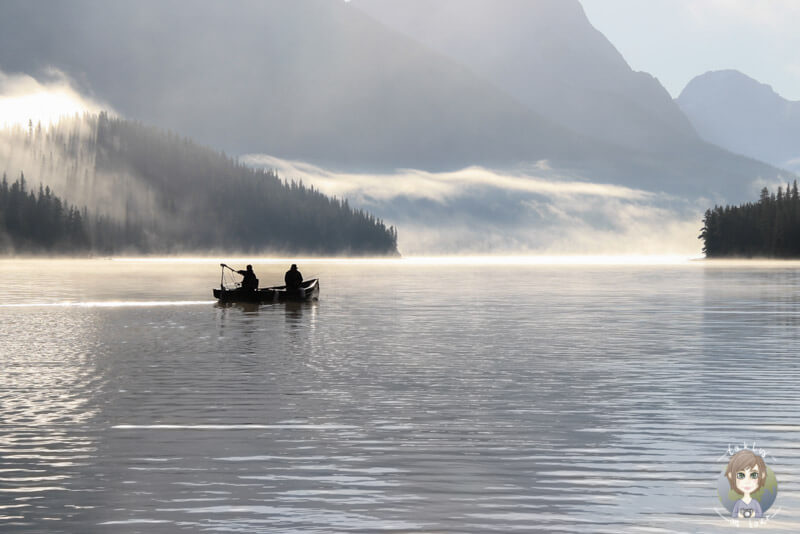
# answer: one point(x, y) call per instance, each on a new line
point(24, 98)
point(676, 40)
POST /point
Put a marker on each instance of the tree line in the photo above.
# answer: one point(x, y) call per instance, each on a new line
point(152, 191)
point(768, 228)
point(31, 222)
point(41, 222)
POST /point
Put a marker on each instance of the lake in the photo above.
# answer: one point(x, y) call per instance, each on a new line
point(416, 396)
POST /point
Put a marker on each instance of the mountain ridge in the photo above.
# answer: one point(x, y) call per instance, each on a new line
point(745, 116)
point(323, 82)
point(294, 94)
point(547, 55)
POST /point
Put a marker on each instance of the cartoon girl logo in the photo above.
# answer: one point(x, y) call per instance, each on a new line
point(748, 487)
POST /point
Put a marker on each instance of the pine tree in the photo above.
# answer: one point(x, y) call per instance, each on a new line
point(768, 228)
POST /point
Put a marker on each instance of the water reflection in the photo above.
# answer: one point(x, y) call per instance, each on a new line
point(243, 307)
point(575, 399)
point(751, 317)
point(294, 312)
point(47, 369)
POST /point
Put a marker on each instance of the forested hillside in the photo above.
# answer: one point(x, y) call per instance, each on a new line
point(769, 228)
point(41, 222)
point(38, 222)
point(168, 194)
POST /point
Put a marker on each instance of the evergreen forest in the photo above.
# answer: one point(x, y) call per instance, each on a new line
point(40, 222)
point(108, 185)
point(769, 228)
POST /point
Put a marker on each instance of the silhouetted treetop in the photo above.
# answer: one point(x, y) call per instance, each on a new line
point(168, 194)
point(769, 228)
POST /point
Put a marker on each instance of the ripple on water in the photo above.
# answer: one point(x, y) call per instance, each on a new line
point(574, 400)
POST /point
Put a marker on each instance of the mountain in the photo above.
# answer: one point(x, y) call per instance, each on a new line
point(324, 82)
point(745, 116)
point(312, 80)
point(547, 55)
point(147, 190)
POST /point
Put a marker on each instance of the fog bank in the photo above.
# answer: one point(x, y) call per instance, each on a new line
point(534, 210)
point(25, 99)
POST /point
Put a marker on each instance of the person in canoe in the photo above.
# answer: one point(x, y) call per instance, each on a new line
point(293, 279)
point(249, 280)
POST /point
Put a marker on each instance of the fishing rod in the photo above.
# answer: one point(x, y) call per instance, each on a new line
point(222, 275)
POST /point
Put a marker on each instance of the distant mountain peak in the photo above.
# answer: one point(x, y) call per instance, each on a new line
point(745, 116)
point(727, 80)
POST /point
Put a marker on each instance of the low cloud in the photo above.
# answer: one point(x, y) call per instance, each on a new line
point(531, 211)
point(793, 165)
point(45, 100)
point(440, 186)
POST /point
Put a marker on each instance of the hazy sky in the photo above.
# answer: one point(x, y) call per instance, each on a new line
point(676, 40)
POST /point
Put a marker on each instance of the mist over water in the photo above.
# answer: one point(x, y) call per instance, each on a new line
point(417, 396)
point(526, 210)
point(475, 210)
point(548, 357)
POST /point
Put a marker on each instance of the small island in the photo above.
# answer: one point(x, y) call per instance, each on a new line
point(769, 228)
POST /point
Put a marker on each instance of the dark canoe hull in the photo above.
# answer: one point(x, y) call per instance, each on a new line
point(309, 290)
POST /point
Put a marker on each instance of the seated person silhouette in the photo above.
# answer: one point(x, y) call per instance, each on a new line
point(293, 279)
point(249, 282)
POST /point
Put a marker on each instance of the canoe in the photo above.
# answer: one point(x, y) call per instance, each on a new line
point(309, 290)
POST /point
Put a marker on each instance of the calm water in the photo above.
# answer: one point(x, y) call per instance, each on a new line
point(411, 398)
